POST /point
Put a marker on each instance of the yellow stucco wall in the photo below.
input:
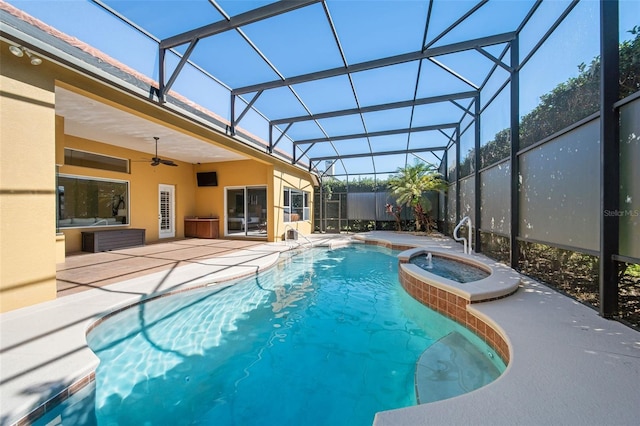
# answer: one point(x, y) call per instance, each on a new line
point(32, 142)
point(27, 183)
point(210, 200)
point(144, 181)
point(233, 174)
point(286, 179)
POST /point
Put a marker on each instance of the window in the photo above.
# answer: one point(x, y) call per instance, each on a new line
point(73, 157)
point(296, 205)
point(86, 202)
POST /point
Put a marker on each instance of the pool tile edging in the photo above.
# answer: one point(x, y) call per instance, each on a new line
point(60, 397)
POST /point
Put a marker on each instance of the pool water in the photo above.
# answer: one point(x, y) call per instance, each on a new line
point(449, 268)
point(328, 337)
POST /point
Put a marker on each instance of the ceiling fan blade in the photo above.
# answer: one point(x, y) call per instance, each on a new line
point(157, 160)
point(168, 163)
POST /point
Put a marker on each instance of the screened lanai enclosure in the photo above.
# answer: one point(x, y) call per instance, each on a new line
point(529, 109)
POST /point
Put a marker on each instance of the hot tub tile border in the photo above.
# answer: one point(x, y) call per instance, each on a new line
point(456, 308)
point(450, 304)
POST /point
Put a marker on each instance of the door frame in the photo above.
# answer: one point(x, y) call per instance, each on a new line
point(330, 219)
point(244, 231)
point(171, 190)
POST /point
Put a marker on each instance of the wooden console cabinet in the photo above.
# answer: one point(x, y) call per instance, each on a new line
point(201, 227)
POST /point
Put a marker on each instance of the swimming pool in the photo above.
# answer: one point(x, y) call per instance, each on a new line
point(327, 337)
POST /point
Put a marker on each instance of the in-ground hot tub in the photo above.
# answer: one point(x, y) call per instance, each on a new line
point(486, 279)
point(454, 299)
point(453, 269)
point(450, 283)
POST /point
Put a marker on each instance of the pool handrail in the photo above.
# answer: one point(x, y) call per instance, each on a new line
point(466, 245)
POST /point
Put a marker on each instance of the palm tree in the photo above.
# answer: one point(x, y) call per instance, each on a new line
point(409, 186)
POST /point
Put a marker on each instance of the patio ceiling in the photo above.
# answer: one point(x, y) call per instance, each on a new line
point(89, 119)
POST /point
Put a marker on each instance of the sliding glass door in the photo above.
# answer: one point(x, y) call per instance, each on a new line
point(246, 212)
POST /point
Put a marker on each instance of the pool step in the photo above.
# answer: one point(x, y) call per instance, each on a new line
point(450, 367)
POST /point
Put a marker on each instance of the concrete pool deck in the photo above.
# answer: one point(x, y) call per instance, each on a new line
point(568, 365)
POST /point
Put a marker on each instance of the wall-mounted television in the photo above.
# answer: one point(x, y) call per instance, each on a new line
point(207, 179)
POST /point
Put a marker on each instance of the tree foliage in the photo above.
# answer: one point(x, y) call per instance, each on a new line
point(630, 64)
point(409, 185)
point(332, 185)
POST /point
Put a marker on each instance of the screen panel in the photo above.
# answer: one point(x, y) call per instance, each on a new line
point(467, 198)
point(451, 204)
point(560, 181)
point(629, 211)
point(495, 198)
point(361, 205)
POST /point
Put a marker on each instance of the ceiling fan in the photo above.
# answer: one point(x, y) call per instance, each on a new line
point(157, 160)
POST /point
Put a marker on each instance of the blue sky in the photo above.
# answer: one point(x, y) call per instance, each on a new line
point(301, 42)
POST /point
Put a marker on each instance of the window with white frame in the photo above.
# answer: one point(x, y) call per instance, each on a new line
point(296, 205)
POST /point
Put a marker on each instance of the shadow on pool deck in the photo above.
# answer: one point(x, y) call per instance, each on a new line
point(568, 366)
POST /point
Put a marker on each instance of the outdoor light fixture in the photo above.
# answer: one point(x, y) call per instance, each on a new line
point(19, 51)
point(16, 51)
point(34, 59)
